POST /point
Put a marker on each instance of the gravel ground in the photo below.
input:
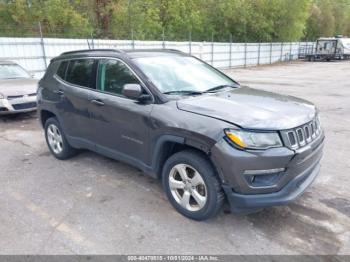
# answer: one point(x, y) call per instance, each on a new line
point(93, 205)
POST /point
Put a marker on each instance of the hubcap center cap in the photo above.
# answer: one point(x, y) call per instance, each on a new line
point(188, 185)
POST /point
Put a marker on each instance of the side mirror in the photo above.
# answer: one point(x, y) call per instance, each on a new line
point(134, 91)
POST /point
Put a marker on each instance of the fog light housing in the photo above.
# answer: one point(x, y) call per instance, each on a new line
point(263, 177)
point(264, 171)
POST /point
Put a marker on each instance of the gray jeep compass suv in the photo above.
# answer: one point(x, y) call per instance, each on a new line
point(180, 120)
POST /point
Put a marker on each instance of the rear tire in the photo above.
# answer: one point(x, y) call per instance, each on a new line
point(56, 140)
point(192, 186)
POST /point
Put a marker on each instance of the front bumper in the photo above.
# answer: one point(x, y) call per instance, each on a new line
point(18, 105)
point(244, 204)
point(300, 166)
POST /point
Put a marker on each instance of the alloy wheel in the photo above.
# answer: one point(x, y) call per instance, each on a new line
point(187, 187)
point(55, 138)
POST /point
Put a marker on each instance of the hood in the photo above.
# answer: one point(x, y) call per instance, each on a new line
point(252, 108)
point(17, 87)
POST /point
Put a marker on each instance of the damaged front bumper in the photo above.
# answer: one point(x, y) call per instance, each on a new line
point(294, 171)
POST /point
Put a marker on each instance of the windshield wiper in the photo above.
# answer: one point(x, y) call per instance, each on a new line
point(184, 92)
point(216, 88)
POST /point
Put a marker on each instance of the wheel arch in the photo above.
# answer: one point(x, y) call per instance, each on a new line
point(167, 145)
point(44, 115)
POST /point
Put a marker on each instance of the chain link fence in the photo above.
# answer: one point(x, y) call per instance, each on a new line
point(34, 53)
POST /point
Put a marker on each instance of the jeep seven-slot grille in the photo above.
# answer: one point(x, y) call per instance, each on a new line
point(302, 135)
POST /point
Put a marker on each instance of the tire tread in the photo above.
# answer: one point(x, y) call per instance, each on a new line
point(68, 150)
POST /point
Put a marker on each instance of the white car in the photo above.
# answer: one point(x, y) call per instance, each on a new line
point(17, 89)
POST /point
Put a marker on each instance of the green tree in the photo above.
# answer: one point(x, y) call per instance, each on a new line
point(60, 18)
point(312, 25)
point(16, 18)
point(245, 20)
point(291, 20)
point(328, 18)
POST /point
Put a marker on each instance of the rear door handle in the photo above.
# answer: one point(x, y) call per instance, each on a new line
point(59, 92)
point(97, 102)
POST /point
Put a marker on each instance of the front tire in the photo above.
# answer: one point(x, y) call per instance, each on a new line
point(56, 140)
point(192, 186)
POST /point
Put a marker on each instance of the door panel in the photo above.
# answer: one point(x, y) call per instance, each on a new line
point(74, 110)
point(74, 91)
point(120, 125)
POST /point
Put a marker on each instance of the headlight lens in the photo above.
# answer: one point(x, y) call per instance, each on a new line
point(253, 140)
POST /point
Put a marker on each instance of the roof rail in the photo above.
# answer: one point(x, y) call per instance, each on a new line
point(91, 50)
point(153, 49)
point(120, 51)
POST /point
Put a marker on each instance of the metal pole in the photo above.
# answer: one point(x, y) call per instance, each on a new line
point(163, 37)
point(190, 42)
point(259, 46)
point(132, 39)
point(230, 54)
point(281, 51)
point(92, 41)
point(212, 48)
point(42, 45)
point(270, 53)
point(290, 52)
point(245, 54)
point(298, 49)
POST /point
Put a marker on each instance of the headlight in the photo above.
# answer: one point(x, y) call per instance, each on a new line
point(253, 140)
point(2, 96)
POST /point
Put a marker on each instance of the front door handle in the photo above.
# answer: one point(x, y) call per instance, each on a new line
point(59, 92)
point(97, 102)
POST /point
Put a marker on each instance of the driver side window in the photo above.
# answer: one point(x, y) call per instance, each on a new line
point(113, 75)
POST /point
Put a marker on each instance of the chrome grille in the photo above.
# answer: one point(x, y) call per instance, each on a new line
point(20, 96)
point(14, 97)
point(302, 135)
point(307, 133)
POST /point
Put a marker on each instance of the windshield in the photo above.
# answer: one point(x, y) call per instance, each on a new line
point(179, 73)
point(10, 71)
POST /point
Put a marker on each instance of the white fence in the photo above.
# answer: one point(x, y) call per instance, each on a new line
point(34, 54)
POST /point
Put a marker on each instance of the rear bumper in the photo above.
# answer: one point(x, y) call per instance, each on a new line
point(240, 203)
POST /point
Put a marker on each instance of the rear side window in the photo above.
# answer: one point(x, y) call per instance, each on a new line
point(80, 72)
point(61, 71)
